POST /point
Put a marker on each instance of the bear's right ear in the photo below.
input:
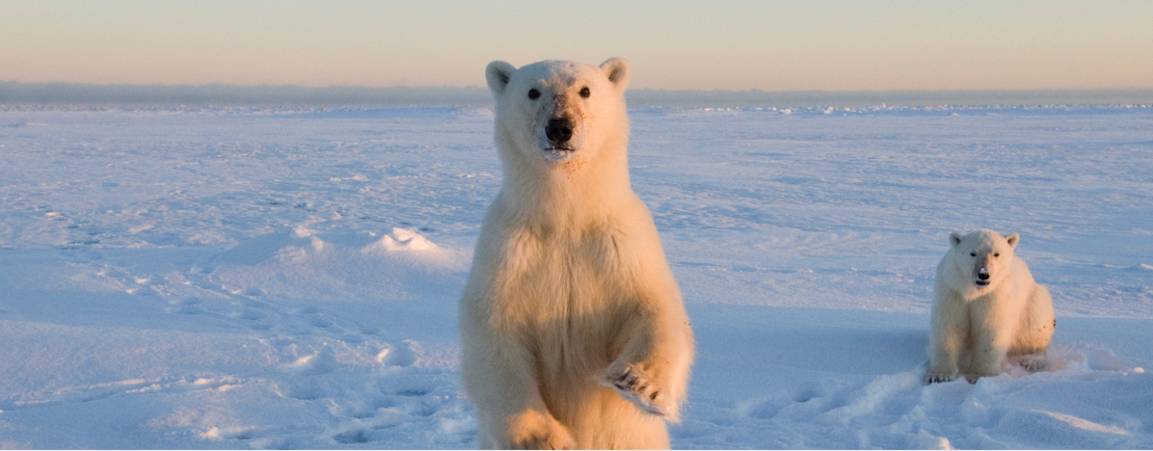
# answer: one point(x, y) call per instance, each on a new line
point(1013, 239)
point(617, 71)
point(498, 73)
point(954, 238)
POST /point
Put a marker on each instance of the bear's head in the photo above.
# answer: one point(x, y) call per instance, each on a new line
point(981, 260)
point(554, 112)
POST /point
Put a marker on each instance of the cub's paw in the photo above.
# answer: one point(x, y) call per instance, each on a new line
point(640, 388)
point(537, 430)
point(937, 378)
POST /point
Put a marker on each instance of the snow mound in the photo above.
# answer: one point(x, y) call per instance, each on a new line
point(401, 240)
point(302, 264)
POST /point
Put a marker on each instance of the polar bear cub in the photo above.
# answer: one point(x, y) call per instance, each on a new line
point(573, 332)
point(987, 308)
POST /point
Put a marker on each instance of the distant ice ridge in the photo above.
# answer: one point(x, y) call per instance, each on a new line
point(680, 109)
point(49, 95)
point(931, 110)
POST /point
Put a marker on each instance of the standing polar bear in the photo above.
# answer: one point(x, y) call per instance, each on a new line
point(987, 307)
point(573, 333)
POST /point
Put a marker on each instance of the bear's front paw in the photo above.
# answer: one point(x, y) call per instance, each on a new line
point(641, 389)
point(536, 430)
point(937, 378)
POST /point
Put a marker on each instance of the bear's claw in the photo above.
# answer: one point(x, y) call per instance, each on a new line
point(937, 378)
point(634, 386)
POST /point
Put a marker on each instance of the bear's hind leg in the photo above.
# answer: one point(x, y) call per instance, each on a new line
point(500, 377)
point(1035, 332)
point(1037, 324)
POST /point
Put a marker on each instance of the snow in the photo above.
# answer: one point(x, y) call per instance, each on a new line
point(286, 277)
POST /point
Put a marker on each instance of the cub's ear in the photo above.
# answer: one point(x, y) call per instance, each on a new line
point(1013, 240)
point(617, 70)
point(954, 238)
point(498, 73)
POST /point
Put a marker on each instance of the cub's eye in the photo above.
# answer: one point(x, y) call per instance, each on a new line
point(972, 254)
point(996, 254)
point(585, 92)
point(533, 94)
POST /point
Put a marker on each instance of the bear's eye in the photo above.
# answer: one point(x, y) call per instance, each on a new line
point(972, 254)
point(996, 254)
point(585, 92)
point(533, 94)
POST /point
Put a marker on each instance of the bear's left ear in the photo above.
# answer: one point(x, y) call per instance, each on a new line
point(617, 70)
point(1013, 240)
point(497, 74)
point(954, 238)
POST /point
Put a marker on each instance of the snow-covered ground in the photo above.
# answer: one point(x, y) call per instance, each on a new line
point(235, 277)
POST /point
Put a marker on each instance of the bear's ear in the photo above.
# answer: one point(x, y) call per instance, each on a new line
point(617, 70)
point(1013, 240)
point(954, 238)
point(498, 73)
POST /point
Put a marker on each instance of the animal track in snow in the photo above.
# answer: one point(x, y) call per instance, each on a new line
point(126, 387)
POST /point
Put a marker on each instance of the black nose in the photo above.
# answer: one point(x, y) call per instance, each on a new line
point(983, 276)
point(558, 130)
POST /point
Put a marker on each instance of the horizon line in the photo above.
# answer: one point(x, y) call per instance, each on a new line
point(483, 88)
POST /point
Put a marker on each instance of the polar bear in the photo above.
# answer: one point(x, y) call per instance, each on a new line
point(573, 332)
point(987, 308)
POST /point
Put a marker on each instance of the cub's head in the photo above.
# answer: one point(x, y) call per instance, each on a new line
point(982, 259)
point(559, 111)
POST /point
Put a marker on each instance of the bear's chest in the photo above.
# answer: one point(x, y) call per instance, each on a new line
point(555, 280)
point(569, 297)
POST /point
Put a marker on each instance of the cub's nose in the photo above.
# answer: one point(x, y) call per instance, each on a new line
point(983, 276)
point(558, 130)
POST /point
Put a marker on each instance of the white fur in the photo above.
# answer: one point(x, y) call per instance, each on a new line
point(974, 327)
point(572, 326)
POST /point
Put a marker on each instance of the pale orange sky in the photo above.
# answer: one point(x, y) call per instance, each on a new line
point(784, 45)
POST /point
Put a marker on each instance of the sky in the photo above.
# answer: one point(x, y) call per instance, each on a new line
point(719, 44)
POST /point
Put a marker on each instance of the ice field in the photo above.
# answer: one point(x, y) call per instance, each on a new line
point(257, 276)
